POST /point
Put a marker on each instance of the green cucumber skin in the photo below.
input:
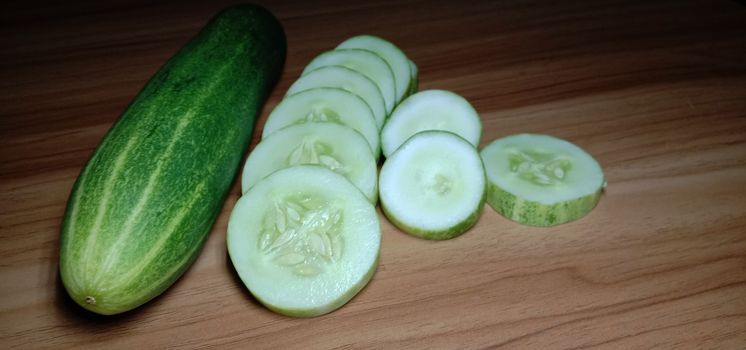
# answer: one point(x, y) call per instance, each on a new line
point(449, 233)
point(309, 313)
point(536, 214)
point(143, 205)
point(414, 85)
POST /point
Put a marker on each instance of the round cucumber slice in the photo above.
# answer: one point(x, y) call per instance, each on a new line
point(346, 79)
point(433, 186)
point(540, 180)
point(431, 110)
point(304, 240)
point(366, 62)
point(396, 59)
point(325, 105)
point(337, 147)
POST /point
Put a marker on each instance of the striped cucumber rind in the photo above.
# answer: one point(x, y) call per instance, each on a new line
point(337, 147)
point(540, 180)
point(145, 202)
point(536, 214)
point(433, 186)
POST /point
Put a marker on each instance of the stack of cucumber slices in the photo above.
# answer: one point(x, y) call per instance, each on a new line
point(305, 236)
point(432, 184)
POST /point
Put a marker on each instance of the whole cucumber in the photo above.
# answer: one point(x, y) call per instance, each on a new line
point(142, 207)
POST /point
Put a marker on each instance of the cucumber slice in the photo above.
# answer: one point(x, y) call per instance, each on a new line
point(338, 147)
point(433, 186)
point(325, 104)
point(304, 240)
point(541, 180)
point(396, 59)
point(346, 79)
point(431, 110)
point(362, 61)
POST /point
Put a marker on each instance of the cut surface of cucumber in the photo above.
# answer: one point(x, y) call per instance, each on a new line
point(540, 180)
point(345, 79)
point(366, 62)
point(337, 147)
point(433, 186)
point(304, 240)
point(431, 110)
point(396, 59)
point(325, 105)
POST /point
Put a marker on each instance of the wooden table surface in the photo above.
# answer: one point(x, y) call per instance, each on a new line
point(654, 90)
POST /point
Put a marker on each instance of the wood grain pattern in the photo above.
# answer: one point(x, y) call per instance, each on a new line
point(655, 90)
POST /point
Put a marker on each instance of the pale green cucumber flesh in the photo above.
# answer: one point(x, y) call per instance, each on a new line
point(325, 105)
point(365, 62)
point(304, 240)
point(540, 180)
point(396, 59)
point(145, 202)
point(337, 147)
point(431, 110)
point(433, 186)
point(346, 79)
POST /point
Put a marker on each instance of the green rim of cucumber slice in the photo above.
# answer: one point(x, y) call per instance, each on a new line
point(304, 240)
point(431, 110)
point(365, 62)
point(414, 79)
point(433, 186)
point(540, 180)
point(346, 79)
point(325, 105)
point(394, 56)
point(337, 147)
